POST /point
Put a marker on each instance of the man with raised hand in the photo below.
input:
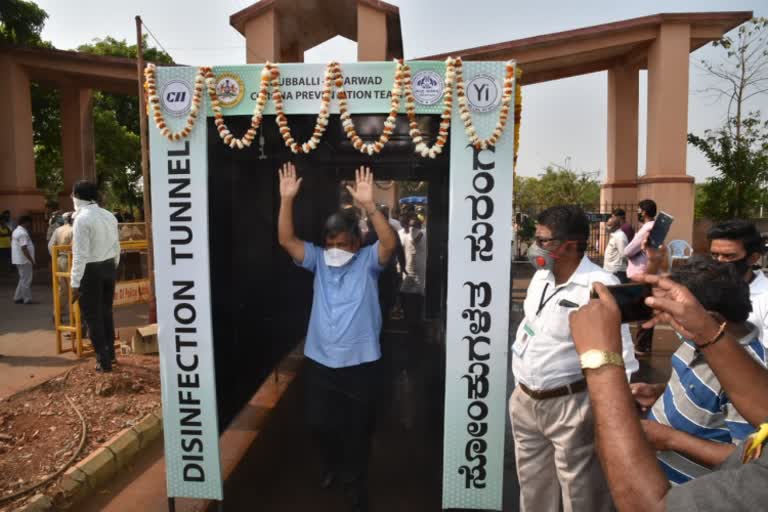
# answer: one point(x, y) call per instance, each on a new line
point(342, 343)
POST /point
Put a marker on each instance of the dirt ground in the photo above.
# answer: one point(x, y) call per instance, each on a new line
point(40, 431)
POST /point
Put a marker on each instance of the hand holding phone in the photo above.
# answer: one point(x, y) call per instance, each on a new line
point(660, 229)
point(631, 301)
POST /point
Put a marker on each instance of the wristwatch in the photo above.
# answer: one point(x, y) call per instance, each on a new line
point(594, 359)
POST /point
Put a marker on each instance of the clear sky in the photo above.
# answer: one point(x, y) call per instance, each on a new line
point(564, 122)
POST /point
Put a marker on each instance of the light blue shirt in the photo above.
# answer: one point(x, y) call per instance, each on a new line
point(345, 323)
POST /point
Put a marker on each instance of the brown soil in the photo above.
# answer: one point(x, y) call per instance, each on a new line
point(39, 430)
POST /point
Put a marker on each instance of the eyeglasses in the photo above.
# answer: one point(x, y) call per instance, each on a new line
point(541, 242)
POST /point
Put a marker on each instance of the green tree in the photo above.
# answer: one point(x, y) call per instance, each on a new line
point(738, 151)
point(556, 187)
point(116, 128)
point(21, 23)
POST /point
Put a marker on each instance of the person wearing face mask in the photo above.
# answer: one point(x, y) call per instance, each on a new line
point(342, 342)
point(549, 409)
point(637, 264)
point(692, 423)
point(95, 257)
point(738, 243)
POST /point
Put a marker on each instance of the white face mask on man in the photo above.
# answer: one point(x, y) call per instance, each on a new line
point(337, 257)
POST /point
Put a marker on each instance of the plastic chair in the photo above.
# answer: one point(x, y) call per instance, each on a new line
point(679, 250)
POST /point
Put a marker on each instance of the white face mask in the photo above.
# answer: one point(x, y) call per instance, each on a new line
point(337, 257)
point(79, 203)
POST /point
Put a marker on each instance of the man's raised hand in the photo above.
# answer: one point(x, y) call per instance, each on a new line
point(363, 191)
point(289, 185)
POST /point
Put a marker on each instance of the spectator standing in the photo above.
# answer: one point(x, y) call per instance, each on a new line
point(414, 242)
point(738, 243)
point(626, 227)
point(95, 257)
point(5, 243)
point(549, 409)
point(23, 256)
point(54, 222)
point(62, 236)
point(614, 260)
point(637, 263)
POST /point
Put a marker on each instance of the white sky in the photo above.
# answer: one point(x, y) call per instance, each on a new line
point(564, 122)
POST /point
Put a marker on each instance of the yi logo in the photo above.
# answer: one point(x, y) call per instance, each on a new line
point(483, 93)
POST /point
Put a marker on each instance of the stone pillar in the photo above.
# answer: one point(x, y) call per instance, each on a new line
point(666, 181)
point(623, 96)
point(18, 184)
point(77, 143)
point(371, 33)
point(262, 38)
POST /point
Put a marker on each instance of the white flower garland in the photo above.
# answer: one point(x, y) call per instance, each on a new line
point(445, 121)
point(153, 105)
point(466, 115)
point(270, 78)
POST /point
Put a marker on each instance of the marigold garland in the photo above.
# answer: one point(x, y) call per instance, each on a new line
point(518, 113)
point(402, 86)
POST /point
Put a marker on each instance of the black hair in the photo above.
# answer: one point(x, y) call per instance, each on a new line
point(567, 222)
point(648, 206)
point(345, 198)
point(717, 286)
point(741, 230)
point(85, 190)
point(343, 221)
point(618, 212)
point(25, 219)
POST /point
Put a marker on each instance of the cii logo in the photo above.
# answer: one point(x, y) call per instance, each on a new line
point(176, 97)
point(483, 93)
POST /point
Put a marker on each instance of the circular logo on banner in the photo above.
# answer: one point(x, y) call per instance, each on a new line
point(427, 87)
point(176, 97)
point(230, 89)
point(483, 93)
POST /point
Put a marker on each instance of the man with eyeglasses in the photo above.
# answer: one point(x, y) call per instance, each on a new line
point(551, 417)
point(738, 243)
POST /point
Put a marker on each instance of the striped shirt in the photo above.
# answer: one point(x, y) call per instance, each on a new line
point(695, 402)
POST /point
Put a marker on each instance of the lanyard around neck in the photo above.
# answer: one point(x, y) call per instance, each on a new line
point(543, 302)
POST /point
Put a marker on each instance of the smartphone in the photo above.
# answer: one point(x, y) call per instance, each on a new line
point(660, 229)
point(631, 300)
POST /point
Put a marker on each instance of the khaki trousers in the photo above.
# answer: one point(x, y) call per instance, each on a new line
point(555, 454)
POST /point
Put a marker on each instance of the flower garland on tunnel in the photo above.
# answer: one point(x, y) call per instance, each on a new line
point(402, 86)
point(518, 113)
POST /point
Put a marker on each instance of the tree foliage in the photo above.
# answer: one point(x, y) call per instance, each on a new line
point(738, 151)
point(555, 187)
point(21, 23)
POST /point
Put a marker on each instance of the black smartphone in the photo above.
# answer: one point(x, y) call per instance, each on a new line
point(631, 300)
point(660, 229)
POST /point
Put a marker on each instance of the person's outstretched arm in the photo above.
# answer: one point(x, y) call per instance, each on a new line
point(363, 194)
point(633, 473)
point(289, 187)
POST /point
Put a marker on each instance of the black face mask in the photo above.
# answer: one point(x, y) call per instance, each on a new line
point(741, 266)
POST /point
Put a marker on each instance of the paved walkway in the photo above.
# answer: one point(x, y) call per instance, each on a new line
point(28, 339)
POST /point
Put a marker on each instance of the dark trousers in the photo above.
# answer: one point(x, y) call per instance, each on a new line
point(97, 289)
point(341, 404)
point(622, 275)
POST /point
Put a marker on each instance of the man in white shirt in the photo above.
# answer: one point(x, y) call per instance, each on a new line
point(95, 256)
point(549, 409)
point(739, 243)
point(414, 241)
point(23, 256)
point(614, 260)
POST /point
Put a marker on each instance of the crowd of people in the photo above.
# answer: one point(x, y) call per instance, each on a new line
point(588, 436)
point(92, 232)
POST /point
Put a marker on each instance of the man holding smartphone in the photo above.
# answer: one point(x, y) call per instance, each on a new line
point(637, 263)
point(549, 409)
